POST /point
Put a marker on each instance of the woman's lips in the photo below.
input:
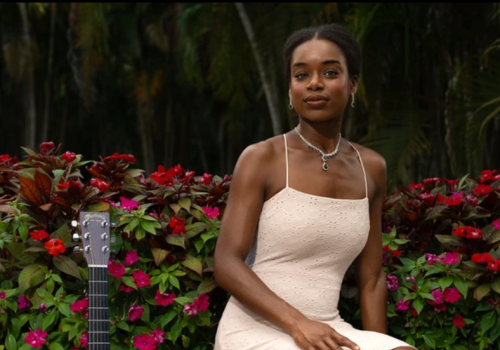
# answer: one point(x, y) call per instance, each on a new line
point(316, 103)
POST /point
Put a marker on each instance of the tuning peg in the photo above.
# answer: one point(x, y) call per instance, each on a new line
point(104, 223)
point(77, 250)
point(85, 223)
point(76, 237)
point(112, 239)
point(74, 223)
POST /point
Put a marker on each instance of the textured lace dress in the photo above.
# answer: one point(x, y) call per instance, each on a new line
point(303, 247)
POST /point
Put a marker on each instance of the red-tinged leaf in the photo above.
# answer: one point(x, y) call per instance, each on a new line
point(206, 286)
point(159, 255)
point(44, 183)
point(99, 206)
point(46, 207)
point(30, 191)
point(8, 209)
point(66, 265)
point(481, 291)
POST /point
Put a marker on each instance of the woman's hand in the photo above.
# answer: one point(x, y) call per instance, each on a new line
point(313, 335)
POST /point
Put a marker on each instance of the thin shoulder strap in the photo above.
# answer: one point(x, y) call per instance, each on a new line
point(286, 158)
point(362, 167)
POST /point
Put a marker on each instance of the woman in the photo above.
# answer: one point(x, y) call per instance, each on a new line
point(303, 206)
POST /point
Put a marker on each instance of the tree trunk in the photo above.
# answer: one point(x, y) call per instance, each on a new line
point(143, 121)
point(50, 60)
point(28, 83)
point(271, 94)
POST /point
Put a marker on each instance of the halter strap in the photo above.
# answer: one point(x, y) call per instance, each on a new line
point(362, 167)
point(286, 158)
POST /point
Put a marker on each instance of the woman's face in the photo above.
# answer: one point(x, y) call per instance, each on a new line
point(320, 86)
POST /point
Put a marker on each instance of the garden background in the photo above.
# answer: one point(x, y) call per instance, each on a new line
point(130, 86)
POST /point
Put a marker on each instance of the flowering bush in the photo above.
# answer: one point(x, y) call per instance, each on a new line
point(161, 288)
point(441, 256)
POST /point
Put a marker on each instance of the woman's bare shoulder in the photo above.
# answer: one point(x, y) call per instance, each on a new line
point(371, 159)
point(260, 154)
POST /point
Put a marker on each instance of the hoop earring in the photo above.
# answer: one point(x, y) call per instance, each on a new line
point(352, 103)
point(290, 105)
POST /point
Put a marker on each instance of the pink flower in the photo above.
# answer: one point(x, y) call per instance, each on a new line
point(200, 304)
point(210, 213)
point(402, 305)
point(80, 305)
point(432, 258)
point(451, 258)
point(458, 321)
point(451, 295)
point(125, 288)
point(84, 340)
point(190, 310)
point(128, 204)
point(438, 296)
point(145, 342)
point(411, 279)
point(471, 200)
point(131, 257)
point(23, 302)
point(69, 157)
point(158, 335)
point(496, 223)
point(206, 179)
point(46, 146)
point(141, 278)
point(36, 339)
point(392, 282)
point(116, 269)
point(135, 312)
point(42, 308)
point(164, 299)
point(3, 295)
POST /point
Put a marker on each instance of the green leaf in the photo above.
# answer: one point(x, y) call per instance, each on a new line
point(177, 240)
point(199, 244)
point(10, 342)
point(45, 295)
point(17, 250)
point(140, 233)
point(481, 291)
point(30, 276)
point(185, 341)
point(49, 320)
point(99, 207)
point(150, 227)
point(168, 317)
point(194, 264)
point(445, 282)
point(176, 329)
point(429, 341)
point(206, 286)
point(487, 321)
point(64, 309)
point(64, 233)
point(461, 285)
point(174, 281)
point(131, 225)
point(123, 325)
point(418, 305)
point(495, 332)
point(55, 346)
point(66, 265)
point(129, 281)
point(159, 255)
point(185, 203)
point(495, 285)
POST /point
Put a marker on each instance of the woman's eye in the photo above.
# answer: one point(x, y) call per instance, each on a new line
point(301, 76)
point(331, 73)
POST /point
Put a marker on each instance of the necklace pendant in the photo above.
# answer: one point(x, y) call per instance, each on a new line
point(325, 166)
point(325, 158)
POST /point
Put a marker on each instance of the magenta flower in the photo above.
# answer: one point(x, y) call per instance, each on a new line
point(451, 295)
point(116, 269)
point(128, 204)
point(135, 312)
point(458, 321)
point(199, 304)
point(438, 296)
point(402, 305)
point(141, 278)
point(131, 257)
point(36, 339)
point(432, 258)
point(23, 302)
point(84, 340)
point(164, 299)
point(145, 342)
point(190, 310)
point(210, 213)
point(3, 295)
point(42, 308)
point(451, 258)
point(80, 305)
point(411, 279)
point(125, 288)
point(392, 283)
point(496, 223)
point(158, 335)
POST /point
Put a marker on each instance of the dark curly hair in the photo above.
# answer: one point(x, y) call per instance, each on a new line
point(335, 33)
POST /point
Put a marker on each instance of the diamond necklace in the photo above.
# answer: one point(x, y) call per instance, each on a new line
point(324, 156)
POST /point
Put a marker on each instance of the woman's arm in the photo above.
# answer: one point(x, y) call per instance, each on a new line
point(371, 278)
point(246, 198)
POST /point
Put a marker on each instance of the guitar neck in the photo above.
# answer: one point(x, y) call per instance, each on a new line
point(98, 308)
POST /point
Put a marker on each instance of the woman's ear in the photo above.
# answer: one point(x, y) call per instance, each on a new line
point(353, 82)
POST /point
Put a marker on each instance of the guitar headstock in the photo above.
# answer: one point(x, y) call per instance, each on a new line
point(95, 236)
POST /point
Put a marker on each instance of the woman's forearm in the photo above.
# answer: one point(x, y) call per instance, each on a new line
point(373, 302)
point(241, 282)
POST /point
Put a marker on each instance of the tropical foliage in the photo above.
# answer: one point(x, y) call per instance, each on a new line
point(182, 83)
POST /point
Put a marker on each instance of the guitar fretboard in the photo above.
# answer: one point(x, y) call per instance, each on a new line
point(98, 308)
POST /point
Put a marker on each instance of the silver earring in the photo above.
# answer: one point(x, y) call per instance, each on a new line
point(290, 105)
point(352, 103)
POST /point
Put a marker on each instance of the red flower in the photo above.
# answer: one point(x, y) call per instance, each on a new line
point(481, 258)
point(494, 265)
point(428, 198)
point(100, 184)
point(414, 312)
point(431, 180)
point(451, 182)
point(177, 225)
point(145, 342)
point(69, 184)
point(125, 157)
point(386, 248)
point(451, 295)
point(80, 305)
point(164, 299)
point(4, 158)
point(116, 269)
point(141, 278)
point(45, 147)
point(471, 200)
point(205, 179)
point(161, 176)
point(454, 200)
point(39, 235)
point(36, 339)
point(188, 176)
point(395, 253)
point(135, 312)
point(125, 288)
point(486, 175)
point(55, 246)
point(418, 186)
point(458, 321)
point(482, 190)
point(468, 232)
point(84, 340)
point(69, 157)
point(3, 295)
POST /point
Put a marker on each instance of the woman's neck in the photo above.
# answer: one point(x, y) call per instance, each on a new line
point(324, 135)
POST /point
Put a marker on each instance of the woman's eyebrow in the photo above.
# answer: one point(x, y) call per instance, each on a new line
point(327, 62)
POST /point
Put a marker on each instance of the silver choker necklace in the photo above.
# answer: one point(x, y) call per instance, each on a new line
point(324, 156)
